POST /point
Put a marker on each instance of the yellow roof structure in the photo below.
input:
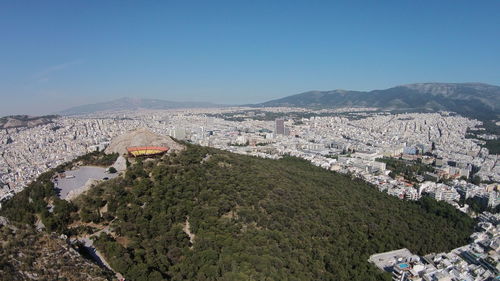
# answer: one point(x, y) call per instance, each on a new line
point(146, 150)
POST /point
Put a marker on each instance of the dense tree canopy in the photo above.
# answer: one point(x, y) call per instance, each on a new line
point(26, 254)
point(255, 219)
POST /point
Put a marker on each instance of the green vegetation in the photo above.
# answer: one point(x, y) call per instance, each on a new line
point(465, 99)
point(490, 127)
point(17, 121)
point(253, 219)
point(408, 169)
point(97, 158)
point(332, 156)
point(296, 116)
point(35, 200)
point(26, 117)
point(286, 220)
point(25, 253)
point(239, 144)
point(479, 205)
point(493, 146)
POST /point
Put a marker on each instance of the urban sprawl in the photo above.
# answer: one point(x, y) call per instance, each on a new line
point(406, 155)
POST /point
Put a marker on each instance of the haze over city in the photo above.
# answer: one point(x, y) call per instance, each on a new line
point(250, 140)
point(59, 54)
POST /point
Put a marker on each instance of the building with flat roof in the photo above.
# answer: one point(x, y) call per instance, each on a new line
point(279, 126)
point(146, 150)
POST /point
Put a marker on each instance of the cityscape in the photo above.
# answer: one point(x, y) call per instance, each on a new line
point(250, 140)
point(359, 142)
point(348, 141)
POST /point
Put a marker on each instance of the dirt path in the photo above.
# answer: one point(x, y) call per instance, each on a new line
point(97, 256)
point(187, 230)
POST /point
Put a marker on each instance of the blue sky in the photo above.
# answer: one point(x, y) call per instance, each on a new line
point(57, 54)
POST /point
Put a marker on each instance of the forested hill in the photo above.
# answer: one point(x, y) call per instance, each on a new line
point(26, 254)
point(251, 219)
point(475, 100)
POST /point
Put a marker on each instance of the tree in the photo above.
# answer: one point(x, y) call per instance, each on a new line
point(253, 219)
point(476, 180)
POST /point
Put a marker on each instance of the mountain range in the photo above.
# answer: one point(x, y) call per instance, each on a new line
point(476, 100)
point(133, 104)
point(19, 121)
point(470, 99)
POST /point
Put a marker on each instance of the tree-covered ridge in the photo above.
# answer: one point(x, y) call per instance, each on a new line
point(40, 196)
point(257, 219)
point(253, 219)
point(18, 121)
point(475, 100)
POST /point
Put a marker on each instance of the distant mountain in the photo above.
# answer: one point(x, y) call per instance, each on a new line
point(472, 99)
point(133, 104)
point(20, 121)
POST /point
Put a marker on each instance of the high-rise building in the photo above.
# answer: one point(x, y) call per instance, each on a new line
point(493, 199)
point(279, 126)
point(286, 131)
point(178, 133)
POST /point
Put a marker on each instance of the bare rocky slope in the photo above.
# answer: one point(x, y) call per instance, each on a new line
point(26, 254)
point(19, 121)
point(141, 137)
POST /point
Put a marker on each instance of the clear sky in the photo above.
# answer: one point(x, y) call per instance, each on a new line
point(57, 54)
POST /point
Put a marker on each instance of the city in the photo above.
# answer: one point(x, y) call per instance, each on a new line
point(356, 142)
point(250, 140)
point(339, 143)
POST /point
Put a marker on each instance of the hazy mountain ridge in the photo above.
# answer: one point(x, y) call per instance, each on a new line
point(470, 99)
point(133, 104)
point(19, 121)
point(475, 99)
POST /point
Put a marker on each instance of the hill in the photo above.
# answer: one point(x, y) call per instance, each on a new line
point(206, 214)
point(20, 121)
point(133, 104)
point(470, 99)
point(26, 254)
point(140, 137)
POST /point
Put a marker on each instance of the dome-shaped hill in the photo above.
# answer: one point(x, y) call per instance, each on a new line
point(141, 137)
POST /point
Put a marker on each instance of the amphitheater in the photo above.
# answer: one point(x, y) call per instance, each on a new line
point(145, 139)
